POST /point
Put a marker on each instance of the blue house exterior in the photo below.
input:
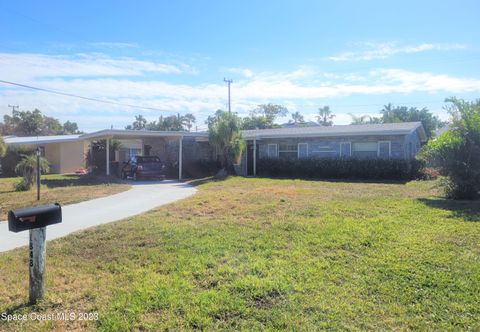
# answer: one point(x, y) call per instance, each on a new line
point(385, 141)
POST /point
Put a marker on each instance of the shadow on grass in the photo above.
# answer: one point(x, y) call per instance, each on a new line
point(197, 182)
point(75, 180)
point(337, 180)
point(15, 309)
point(467, 210)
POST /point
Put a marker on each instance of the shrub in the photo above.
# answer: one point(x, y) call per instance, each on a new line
point(429, 173)
point(456, 153)
point(27, 167)
point(22, 185)
point(200, 168)
point(393, 169)
point(12, 157)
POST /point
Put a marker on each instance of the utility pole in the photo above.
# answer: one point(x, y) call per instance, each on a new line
point(229, 101)
point(13, 107)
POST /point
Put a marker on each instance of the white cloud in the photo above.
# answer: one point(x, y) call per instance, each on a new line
point(130, 81)
point(28, 66)
point(372, 51)
point(245, 72)
point(115, 45)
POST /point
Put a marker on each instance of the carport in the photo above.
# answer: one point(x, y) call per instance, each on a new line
point(151, 136)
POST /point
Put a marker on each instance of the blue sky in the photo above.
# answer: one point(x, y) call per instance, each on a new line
point(173, 55)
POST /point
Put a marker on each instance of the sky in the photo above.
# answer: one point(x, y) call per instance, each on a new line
point(173, 56)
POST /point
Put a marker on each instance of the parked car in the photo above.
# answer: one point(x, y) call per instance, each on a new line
point(143, 167)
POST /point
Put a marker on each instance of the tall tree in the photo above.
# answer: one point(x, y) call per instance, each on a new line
point(29, 123)
point(255, 122)
point(139, 124)
point(270, 111)
point(364, 119)
point(359, 119)
point(429, 121)
point(188, 120)
point(325, 116)
point(70, 128)
point(224, 133)
point(297, 117)
point(264, 116)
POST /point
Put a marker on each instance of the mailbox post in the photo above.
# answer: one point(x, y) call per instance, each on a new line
point(35, 220)
point(36, 267)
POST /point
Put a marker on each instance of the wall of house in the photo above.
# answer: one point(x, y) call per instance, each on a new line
point(318, 145)
point(72, 156)
point(52, 154)
point(412, 145)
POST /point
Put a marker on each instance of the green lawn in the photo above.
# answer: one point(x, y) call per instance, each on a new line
point(259, 254)
point(64, 189)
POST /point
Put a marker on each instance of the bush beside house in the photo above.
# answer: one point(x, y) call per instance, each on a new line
point(384, 169)
point(456, 153)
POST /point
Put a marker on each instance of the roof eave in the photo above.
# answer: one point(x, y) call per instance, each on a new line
point(281, 135)
point(42, 141)
point(139, 133)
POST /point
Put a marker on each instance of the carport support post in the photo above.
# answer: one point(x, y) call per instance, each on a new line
point(108, 156)
point(180, 157)
point(254, 156)
point(37, 263)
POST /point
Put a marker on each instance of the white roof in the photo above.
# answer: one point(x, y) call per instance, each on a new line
point(400, 128)
point(35, 140)
point(124, 133)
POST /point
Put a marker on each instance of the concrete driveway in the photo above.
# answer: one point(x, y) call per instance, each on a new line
point(143, 196)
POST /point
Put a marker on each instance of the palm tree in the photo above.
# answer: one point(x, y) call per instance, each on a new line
point(325, 116)
point(224, 133)
point(362, 119)
point(27, 167)
point(297, 117)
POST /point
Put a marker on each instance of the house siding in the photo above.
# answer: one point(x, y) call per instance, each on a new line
point(317, 144)
point(412, 145)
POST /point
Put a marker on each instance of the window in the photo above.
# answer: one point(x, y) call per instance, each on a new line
point(302, 150)
point(384, 149)
point(345, 149)
point(272, 151)
point(288, 151)
point(365, 150)
point(130, 154)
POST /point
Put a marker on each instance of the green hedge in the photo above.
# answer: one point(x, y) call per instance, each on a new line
point(393, 169)
point(200, 168)
point(11, 159)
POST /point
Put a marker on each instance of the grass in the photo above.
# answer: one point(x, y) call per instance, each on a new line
point(64, 189)
point(259, 254)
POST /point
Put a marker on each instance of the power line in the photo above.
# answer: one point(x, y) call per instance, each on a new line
point(82, 97)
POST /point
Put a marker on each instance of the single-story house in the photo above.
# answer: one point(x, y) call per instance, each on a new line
point(67, 153)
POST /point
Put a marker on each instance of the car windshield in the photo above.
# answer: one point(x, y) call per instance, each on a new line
point(147, 159)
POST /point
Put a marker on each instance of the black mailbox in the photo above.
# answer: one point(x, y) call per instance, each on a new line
point(34, 217)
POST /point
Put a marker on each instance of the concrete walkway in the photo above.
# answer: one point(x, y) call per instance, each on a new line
point(143, 196)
